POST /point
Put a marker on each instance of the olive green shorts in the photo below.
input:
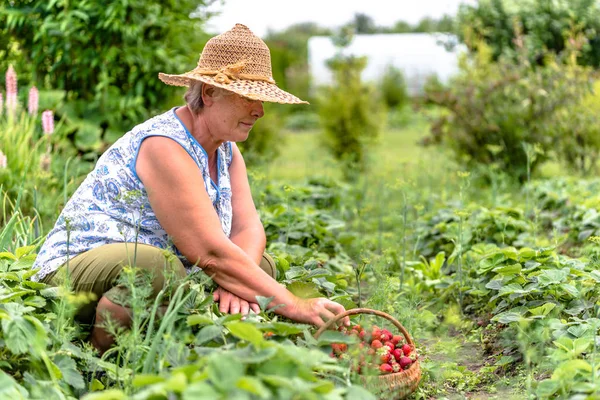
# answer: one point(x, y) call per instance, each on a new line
point(97, 271)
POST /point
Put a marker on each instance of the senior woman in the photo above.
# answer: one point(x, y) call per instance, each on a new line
point(178, 181)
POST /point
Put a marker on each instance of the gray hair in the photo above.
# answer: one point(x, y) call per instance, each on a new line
point(193, 97)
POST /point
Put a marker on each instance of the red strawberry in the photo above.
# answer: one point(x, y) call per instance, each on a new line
point(405, 362)
point(376, 344)
point(397, 353)
point(386, 335)
point(385, 357)
point(390, 345)
point(376, 332)
point(396, 339)
point(357, 328)
point(385, 368)
point(343, 347)
point(406, 349)
point(395, 366)
point(362, 335)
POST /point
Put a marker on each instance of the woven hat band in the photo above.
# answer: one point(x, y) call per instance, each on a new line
point(232, 72)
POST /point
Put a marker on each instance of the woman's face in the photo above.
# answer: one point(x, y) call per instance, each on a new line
point(232, 116)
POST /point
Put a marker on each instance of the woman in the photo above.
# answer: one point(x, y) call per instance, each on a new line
point(179, 177)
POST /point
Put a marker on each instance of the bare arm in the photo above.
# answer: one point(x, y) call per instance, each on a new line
point(178, 198)
point(247, 232)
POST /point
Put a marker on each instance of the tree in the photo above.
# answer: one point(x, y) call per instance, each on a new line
point(105, 56)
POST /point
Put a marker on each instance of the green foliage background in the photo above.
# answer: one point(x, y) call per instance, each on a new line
point(105, 57)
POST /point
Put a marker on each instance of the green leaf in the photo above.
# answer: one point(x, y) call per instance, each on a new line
point(177, 382)
point(355, 392)
point(199, 320)
point(10, 389)
point(8, 255)
point(249, 355)
point(581, 344)
point(329, 337)
point(547, 388)
point(146, 379)
point(69, 371)
point(200, 391)
point(542, 310)
point(224, 370)
point(512, 269)
point(283, 328)
point(253, 385)
point(304, 290)
point(263, 302)
point(97, 385)
point(22, 251)
point(507, 317)
point(246, 331)
point(110, 394)
point(208, 333)
point(553, 276)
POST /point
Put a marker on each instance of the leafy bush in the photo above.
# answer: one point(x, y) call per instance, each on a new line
point(393, 88)
point(544, 23)
point(493, 109)
point(302, 121)
point(264, 141)
point(351, 115)
point(106, 57)
point(578, 133)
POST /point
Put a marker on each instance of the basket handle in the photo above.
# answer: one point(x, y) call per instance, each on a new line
point(366, 311)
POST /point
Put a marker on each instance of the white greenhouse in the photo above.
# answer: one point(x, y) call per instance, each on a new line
point(417, 55)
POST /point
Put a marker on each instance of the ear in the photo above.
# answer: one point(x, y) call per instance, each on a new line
point(208, 94)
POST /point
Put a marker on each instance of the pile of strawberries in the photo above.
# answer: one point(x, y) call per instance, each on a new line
point(377, 349)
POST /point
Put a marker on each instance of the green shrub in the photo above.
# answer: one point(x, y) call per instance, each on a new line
point(494, 109)
point(265, 140)
point(393, 88)
point(106, 57)
point(578, 133)
point(351, 115)
point(302, 121)
point(544, 22)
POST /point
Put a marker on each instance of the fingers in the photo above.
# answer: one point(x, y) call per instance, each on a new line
point(255, 307)
point(244, 307)
point(234, 304)
point(337, 308)
point(225, 301)
point(229, 303)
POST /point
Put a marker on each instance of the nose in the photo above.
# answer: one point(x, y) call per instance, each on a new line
point(257, 109)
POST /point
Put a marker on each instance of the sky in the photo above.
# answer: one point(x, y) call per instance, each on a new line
point(261, 15)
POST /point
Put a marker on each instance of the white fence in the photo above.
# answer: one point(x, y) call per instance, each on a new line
point(417, 55)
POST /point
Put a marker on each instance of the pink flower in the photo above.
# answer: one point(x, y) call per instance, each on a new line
point(48, 122)
point(2, 160)
point(33, 103)
point(11, 89)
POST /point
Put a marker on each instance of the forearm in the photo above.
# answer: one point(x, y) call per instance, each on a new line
point(236, 272)
point(252, 241)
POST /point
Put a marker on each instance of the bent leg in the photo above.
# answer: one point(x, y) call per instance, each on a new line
point(97, 271)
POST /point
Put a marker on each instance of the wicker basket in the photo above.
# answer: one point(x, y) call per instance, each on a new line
point(396, 385)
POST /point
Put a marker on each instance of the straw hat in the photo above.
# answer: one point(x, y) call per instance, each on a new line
point(238, 61)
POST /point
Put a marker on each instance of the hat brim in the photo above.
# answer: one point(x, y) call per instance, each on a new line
point(254, 90)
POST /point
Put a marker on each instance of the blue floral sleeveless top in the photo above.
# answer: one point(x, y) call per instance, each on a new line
point(111, 205)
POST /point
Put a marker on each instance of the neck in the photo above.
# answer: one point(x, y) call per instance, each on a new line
point(198, 128)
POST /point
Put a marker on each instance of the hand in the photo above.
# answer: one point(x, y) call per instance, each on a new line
point(317, 311)
point(229, 303)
